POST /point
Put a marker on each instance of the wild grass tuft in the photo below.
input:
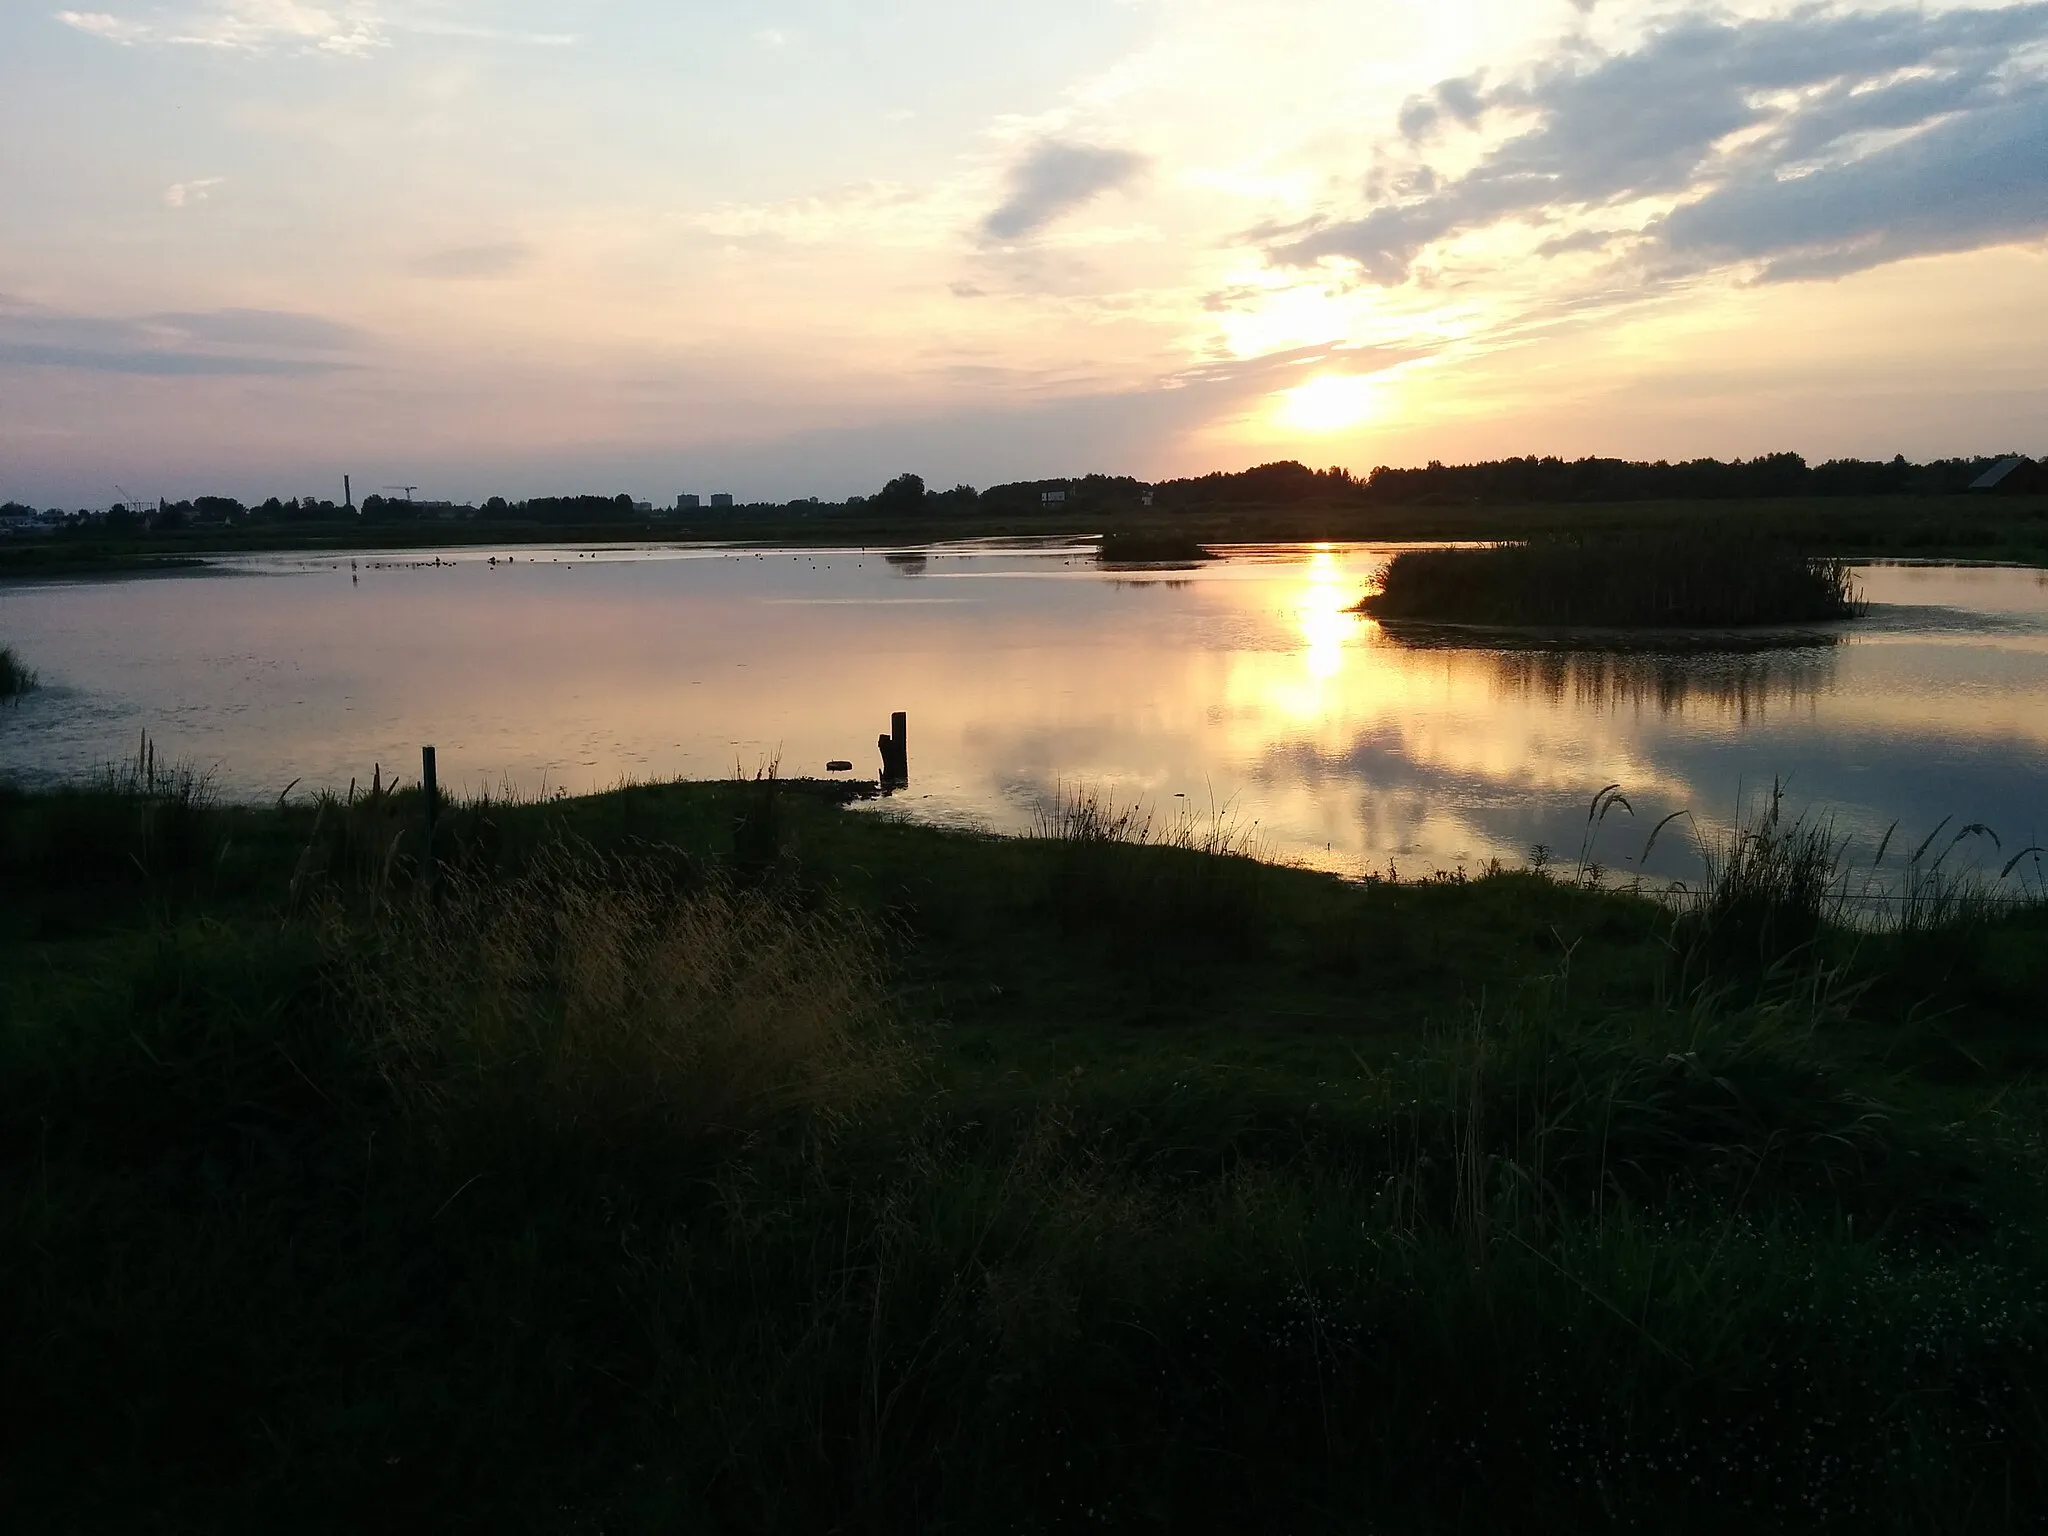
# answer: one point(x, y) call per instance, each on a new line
point(1770, 888)
point(608, 997)
point(1149, 886)
point(1692, 579)
point(132, 823)
point(16, 678)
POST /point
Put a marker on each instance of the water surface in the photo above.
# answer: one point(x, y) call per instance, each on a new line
point(1243, 685)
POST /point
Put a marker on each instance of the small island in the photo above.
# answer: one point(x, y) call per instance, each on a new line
point(1151, 549)
point(1695, 580)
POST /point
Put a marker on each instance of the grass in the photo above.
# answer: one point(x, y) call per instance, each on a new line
point(704, 1157)
point(16, 678)
point(1685, 579)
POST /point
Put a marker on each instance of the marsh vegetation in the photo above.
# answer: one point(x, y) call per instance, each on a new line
point(1150, 548)
point(702, 1156)
point(16, 678)
point(1682, 579)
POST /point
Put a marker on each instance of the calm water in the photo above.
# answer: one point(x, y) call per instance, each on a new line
point(1243, 684)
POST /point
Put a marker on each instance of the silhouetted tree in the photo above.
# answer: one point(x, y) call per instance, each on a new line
point(903, 494)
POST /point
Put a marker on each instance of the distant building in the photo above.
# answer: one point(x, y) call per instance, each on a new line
point(721, 498)
point(644, 508)
point(687, 502)
point(1052, 498)
point(2013, 477)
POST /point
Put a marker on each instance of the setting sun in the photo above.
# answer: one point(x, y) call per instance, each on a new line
point(1331, 402)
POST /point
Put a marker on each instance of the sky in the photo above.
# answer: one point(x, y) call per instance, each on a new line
point(790, 249)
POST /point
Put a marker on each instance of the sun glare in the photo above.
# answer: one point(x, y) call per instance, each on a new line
point(1331, 402)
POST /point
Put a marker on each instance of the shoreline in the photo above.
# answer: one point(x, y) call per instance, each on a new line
point(1961, 529)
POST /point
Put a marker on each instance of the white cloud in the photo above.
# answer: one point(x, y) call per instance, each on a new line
point(348, 27)
point(182, 194)
point(1815, 143)
point(99, 24)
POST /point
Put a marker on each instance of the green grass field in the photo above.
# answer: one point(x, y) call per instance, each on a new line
point(711, 1157)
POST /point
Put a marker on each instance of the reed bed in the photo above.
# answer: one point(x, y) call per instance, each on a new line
point(1697, 580)
point(1151, 549)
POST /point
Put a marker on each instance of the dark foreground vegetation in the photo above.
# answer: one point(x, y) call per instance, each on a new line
point(707, 1157)
point(1688, 578)
point(16, 676)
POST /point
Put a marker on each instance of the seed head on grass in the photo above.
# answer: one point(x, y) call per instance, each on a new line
point(596, 992)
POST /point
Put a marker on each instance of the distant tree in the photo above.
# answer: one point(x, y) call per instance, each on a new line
point(903, 494)
point(497, 506)
point(960, 499)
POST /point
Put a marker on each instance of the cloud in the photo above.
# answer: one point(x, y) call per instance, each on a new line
point(261, 328)
point(1976, 179)
point(344, 26)
point(475, 261)
point(1054, 179)
point(347, 27)
point(181, 194)
point(1813, 142)
point(212, 342)
point(100, 24)
point(149, 363)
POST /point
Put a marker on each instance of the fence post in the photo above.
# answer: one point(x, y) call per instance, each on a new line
point(432, 795)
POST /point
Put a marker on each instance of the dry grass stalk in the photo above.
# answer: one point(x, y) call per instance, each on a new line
point(600, 992)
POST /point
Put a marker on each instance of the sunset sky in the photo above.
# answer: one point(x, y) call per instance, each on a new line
point(519, 246)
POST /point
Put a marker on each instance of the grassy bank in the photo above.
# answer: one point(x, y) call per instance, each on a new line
point(1877, 527)
point(1694, 578)
point(710, 1157)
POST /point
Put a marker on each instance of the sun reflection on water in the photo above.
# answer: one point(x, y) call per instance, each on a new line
point(1321, 612)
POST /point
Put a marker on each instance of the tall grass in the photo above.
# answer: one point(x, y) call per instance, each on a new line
point(16, 678)
point(599, 1189)
point(1770, 888)
point(609, 996)
point(145, 819)
point(1149, 885)
point(1696, 579)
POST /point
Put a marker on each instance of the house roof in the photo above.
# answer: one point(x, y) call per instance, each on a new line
point(1989, 480)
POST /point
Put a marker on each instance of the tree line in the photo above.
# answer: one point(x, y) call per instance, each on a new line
point(1513, 481)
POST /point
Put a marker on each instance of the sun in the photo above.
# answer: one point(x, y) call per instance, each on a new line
point(1331, 402)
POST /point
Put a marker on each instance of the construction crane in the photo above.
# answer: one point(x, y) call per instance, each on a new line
point(408, 489)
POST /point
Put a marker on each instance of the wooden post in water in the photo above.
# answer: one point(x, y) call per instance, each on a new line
point(432, 795)
point(895, 750)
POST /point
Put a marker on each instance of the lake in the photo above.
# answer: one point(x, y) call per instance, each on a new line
point(1242, 687)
